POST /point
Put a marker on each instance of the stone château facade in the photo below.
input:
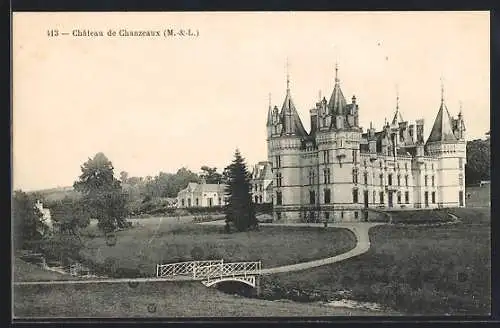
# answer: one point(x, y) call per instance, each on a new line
point(336, 170)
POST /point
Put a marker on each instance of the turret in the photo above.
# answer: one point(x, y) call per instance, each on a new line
point(372, 140)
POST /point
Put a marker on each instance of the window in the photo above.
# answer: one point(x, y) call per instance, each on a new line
point(406, 180)
point(182, 201)
point(389, 179)
point(461, 198)
point(327, 196)
point(260, 187)
point(399, 180)
point(354, 156)
point(355, 196)
point(312, 197)
point(374, 196)
point(365, 178)
point(381, 195)
point(380, 164)
point(220, 201)
point(433, 197)
point(278, 161)
point(461, 164)
point(432, 166)
point(256, 199)
point(327, 216)
point(432, 181)
point(189, 202)
point(326, 156)
point(407, 197)
point(260, 199)
point(381, 179)
point(356, 214)
point(399, 197)
point(355, 176)
point(364, 162)
point(197, 202)
point(461, 179)
point(311, 177)
point(326, 173)
point(312, 217)
point(406, 166)
point(425, 181)
point(278, 179)
point(425, 166)
point(279, 198)
point(278, 215)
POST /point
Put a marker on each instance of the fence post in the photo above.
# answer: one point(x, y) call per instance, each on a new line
point(157, 270)
point(194, 270)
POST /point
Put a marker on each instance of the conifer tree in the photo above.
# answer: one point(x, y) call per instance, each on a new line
point(240, 210)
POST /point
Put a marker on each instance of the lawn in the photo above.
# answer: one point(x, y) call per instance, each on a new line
point(479, 196)
point(154, 299)
point(165, 241)
point(23, 271)
point(415, 270)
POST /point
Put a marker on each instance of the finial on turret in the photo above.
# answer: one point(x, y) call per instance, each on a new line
point(287, 75)
point(460, 110)
point(319, 95)
point(397, 97)
point(371, 125)
point(269, 100)
point(337, 72)
point(442, 91)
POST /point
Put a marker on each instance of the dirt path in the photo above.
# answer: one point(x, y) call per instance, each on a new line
point(359, 229)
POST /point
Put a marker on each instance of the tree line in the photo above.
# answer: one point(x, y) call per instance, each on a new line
point(104, 198)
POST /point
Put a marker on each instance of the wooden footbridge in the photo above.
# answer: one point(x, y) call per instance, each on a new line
point(211, 272)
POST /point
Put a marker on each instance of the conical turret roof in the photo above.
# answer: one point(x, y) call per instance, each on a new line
point(442, 128)
point(337, 103)
point(294, 124)
point(269, 113)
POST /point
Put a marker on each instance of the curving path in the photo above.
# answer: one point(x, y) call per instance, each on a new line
point(359, 229)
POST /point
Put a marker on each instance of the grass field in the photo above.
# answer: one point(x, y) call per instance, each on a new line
point(164, 240)
point(416, 270)
point(479, 196)
point(155, 299)
point(23, 271)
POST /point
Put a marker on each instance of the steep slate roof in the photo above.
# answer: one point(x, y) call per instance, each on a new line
point(210, 187)
point(397, 117)
point(288, 109)
point(337, 103)
point(269, 116)
point(442, 128)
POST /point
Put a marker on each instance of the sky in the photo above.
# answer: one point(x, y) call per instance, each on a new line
point(154, 104)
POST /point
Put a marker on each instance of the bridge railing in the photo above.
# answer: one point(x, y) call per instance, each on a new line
point(222, 270)
point(183, 268)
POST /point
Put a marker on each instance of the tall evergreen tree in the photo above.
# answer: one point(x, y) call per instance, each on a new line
point(240, 210)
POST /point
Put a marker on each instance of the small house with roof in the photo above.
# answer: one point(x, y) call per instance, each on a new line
point(202, 195)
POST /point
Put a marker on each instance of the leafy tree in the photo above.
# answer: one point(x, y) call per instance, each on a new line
point(123, 176)
point(70, 214)
point(26, 219)
point(103, 198)
point(211, 175)
point(134, 181)
point(240, 210)
point(478, 161)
